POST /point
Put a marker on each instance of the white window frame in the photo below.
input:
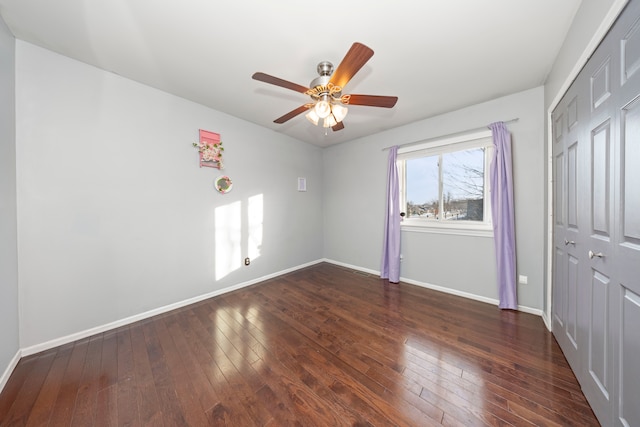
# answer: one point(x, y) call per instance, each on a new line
point(434, 147)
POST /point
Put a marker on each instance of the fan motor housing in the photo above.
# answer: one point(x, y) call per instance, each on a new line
point(320, 87)
point(321, 81)
point(325, 68)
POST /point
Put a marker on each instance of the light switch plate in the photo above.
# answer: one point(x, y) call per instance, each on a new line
point(302, 184)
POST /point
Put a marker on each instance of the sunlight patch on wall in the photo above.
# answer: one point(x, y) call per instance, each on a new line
point(255, 217)
point(228, 232)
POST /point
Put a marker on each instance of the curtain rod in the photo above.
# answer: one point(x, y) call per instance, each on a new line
point(422, 141)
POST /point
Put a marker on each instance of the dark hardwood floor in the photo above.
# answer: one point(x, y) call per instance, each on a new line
point(322, 346)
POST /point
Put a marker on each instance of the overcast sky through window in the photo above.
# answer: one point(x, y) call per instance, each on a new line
point(463, 175)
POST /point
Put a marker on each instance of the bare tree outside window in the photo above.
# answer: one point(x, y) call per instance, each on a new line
point(462, 194)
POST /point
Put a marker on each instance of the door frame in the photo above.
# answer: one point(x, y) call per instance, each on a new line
point(601, 32)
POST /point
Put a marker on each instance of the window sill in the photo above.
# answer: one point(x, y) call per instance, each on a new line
point(473, 230)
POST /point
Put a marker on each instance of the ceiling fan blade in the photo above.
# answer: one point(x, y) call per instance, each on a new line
point(291, 114)
point(355, 58)
point(338, 126)
point(279, 82)
point(373, 100)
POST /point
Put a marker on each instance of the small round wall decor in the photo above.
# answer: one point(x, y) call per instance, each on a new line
point(223, 184)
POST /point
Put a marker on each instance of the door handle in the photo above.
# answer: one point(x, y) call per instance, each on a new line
point(595, 255)
point(569, 242)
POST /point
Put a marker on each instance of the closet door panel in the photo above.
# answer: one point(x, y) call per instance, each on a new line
point(627, 408)
point(567, 297)
point(559, 299)
point(571, 319)
point(559, 306)
point(599, 348)
point(601, 189)
point(630, 45)
point(628, 246)
point(596, 276)
point(630, 174)
point(597, 253)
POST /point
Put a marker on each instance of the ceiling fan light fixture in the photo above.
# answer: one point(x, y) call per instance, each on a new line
point(339, 111)
point(329, 121)
point(312, 116)
point(322, 108)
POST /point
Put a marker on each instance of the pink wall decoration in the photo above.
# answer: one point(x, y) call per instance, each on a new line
point(210, 149)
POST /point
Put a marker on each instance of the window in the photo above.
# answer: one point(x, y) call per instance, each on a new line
point(444, 185)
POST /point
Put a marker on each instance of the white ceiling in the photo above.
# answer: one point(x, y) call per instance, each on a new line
point(436, 56)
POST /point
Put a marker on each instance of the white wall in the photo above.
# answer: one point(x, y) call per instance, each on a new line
point(9, 343)
point(355, 175)
point(115, 216)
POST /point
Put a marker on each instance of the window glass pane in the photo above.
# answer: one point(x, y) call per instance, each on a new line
point(422, 187)
point(463, 185)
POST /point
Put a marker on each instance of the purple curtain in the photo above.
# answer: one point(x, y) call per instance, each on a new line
point(390, 266)
point(503, 215)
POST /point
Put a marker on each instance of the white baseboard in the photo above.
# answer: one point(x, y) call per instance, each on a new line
point(7, 372)
point(353, 267)
point(468, 295)
point(160, 310)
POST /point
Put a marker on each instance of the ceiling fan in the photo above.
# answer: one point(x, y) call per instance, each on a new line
point(328, 106)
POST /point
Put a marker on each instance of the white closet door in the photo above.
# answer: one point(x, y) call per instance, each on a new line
point(596, 289)
point(626, 307)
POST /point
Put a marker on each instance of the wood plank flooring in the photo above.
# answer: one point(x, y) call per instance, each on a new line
point(322, 346)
